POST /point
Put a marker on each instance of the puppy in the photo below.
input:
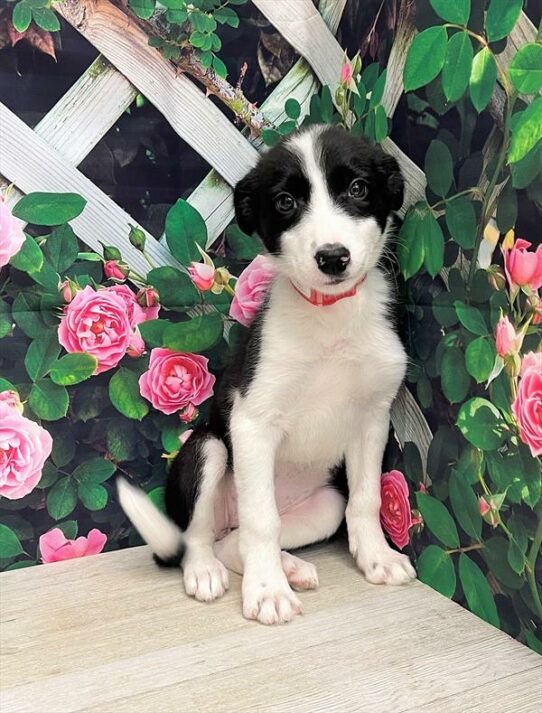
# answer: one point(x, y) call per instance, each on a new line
point(308, 395)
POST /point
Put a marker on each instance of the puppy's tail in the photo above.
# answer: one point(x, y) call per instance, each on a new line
point(164, 537)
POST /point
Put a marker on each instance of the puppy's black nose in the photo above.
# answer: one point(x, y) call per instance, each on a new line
point(333, 258)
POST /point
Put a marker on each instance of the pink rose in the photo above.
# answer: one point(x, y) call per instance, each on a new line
point(175, 380)
point(251, 289)
point(97, 322)
point(54, 546)
point(24, 448)
point(202, 275)
point(11, 398)
point(136, 312)
point(395, 514)
point(506, 337)
point(523, 267)
point(527, 406)
point(115, 270)
point(11, 234)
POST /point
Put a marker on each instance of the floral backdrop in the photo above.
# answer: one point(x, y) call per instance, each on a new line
point(104, 370)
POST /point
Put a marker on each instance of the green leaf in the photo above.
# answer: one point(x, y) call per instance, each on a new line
point(93, 496)
point(48, 401)
point(425, 57)
point(49, 208)
point(22, 16)
point(378, 90)
point(63, 449)
point(46, 19)
point(175, 288)
point(526, 131)
point(461, 221)
point(439, 168)
point(526, 69)
point(9, 543)
point(454, 377)
point(457, 11)
point(292, 108)
point(507, 208)
point(157, 497)
point(21, 527)
point(90, 402)
point(412, 462)
point(381, 124)
point(477, 592)
point(41, 355)
point(437, 519)
point(69, 528)
point(471, 318)
point(26, 314)
point(480, 358)
point(410, 248)
point(530, 471)
point(370, 75)
point(326, 104)
point(525, 171)
point(433, 244)
point(444, 310)
point(226, 16)
point(243, 246)
point(501, 17)
point(61, 248)
point(73, 368)
point(219, 67)
point(270, 137)
point(29, 258)
point(495, 553)
point(482, 79)
point(465, 506)
point(457, 66)
point(185, 229)
point(5, 319)
point(515, 558)
point(436, 569)
point(49, 475)
point(61, 499)
point(152, 331)
point(122, 439)
point(143, 8)
point(125, 396)
point(481, 424)
point(95, 470)
point(196, 335)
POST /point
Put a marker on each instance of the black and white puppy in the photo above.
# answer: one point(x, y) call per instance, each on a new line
point(309, 393)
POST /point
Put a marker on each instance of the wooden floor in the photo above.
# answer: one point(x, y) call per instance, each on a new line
point(114, 633)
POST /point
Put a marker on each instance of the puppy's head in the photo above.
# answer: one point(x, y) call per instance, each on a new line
point(321, 201)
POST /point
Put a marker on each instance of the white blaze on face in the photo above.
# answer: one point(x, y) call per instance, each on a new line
point(325, 222)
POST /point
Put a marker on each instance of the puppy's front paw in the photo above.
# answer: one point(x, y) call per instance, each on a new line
point(205, 578)
point(386, 566)
point(269, 600)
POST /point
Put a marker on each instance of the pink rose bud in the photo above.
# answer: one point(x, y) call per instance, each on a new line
point(523, 268)
point(55, 547)
point(508, 341)
point(147, 297)
point(535, 305)
point(137, 238)
point(395, 513)
point(422, 488)
point(203, 276)
point(347, 73)
point(496, 277)
point(185, 435)
point(68, 289)
point(483, 506)
point(136, 347)
point(136, 312)
point(11, 234)
point(189, 414)
point(116, 271)
point(527, 406)
point(11, 398)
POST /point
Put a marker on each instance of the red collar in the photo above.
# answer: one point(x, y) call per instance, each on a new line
point(323, 299)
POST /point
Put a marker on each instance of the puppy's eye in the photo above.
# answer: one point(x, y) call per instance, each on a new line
point(357, 189)
point(285, 203)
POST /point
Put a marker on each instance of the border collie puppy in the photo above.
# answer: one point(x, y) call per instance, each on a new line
point(309, 394)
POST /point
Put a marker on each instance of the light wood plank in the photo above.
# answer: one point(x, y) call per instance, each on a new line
point(193, 116)
point(149, 648)
point(29, 162)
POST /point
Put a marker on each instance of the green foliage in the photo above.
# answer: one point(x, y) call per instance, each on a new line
point(425, 58)
point(125, 396)
point(49, 208)
point(436, 568)
point(185, 230)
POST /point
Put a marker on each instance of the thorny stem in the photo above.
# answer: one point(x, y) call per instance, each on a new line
point(477, 546)
point(448, 199)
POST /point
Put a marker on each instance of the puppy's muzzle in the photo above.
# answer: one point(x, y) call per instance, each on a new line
point(332, 259)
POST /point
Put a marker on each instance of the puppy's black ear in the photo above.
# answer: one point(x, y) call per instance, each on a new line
point(395, 183)
point(244, 199)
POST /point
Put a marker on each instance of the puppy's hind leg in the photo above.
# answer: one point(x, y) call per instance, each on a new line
point(205, 577)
